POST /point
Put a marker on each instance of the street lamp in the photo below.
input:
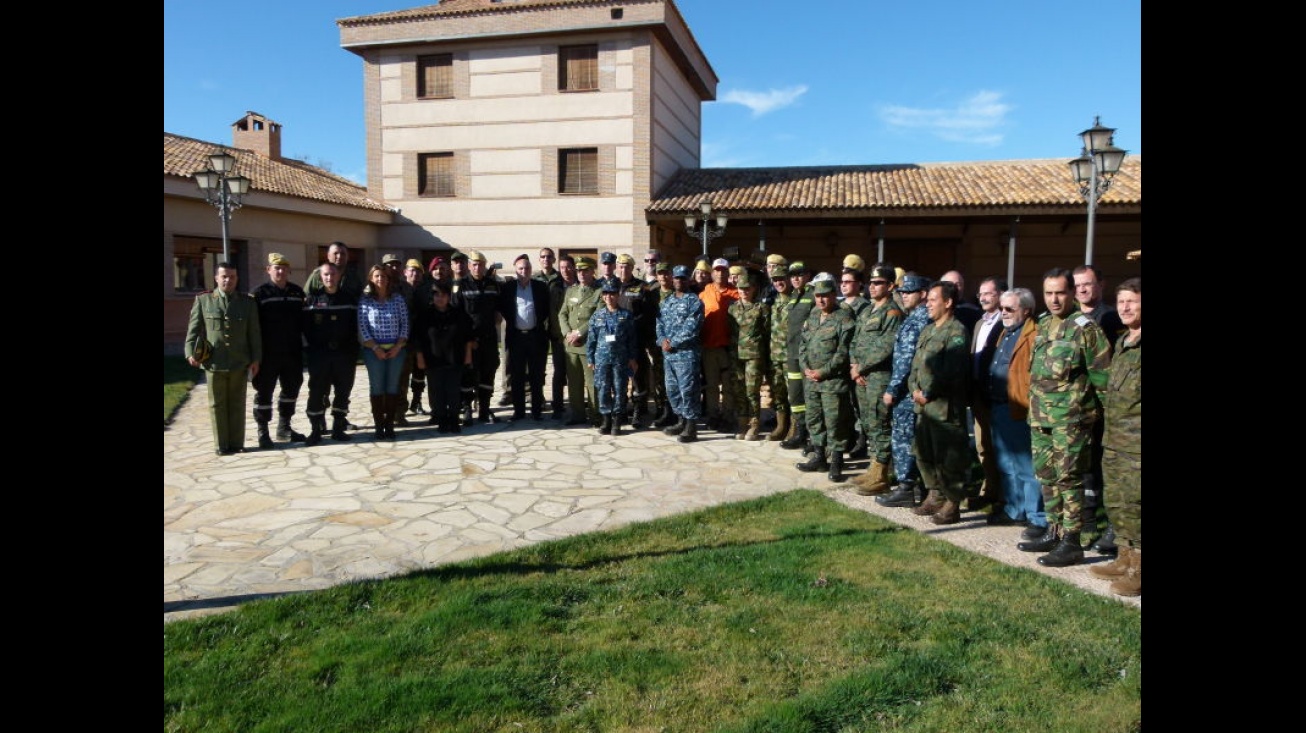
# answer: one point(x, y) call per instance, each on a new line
point(1094, 170)
point(705, 231)
point(223, 191)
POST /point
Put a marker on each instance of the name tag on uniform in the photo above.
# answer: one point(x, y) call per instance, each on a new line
point(610, 338)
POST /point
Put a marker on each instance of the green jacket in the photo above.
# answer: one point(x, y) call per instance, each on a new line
point(877, 329)
point(578, 304)
point(750, 329)
point(940, 369)
point(825, 348)
point(1068, 371)
point(230, 326)
point(1123, 398)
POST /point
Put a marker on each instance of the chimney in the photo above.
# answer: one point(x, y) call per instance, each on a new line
point(258, 133)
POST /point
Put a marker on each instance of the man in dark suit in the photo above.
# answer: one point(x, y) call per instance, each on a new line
point(526, 313)
point(983, 341)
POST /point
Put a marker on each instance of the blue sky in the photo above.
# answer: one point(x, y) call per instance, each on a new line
point(801, 83)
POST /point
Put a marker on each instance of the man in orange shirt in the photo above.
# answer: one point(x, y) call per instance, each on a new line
point(719, 383)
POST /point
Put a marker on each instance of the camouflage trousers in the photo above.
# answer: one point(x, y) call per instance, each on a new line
point(779, 386)
point(683, 370)
point(748, 399)
point(877, 417)
point(610, 381)
point(942, 453)
point(1061, 456)
point(901, 437)
point(829, 416)
point(1123, 474)
point(719, 384)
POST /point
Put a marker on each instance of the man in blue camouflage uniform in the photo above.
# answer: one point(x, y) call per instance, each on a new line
point(903, 432)
point(679, 334)
point(610, 354)
point(824, 360)
point(1067, 373)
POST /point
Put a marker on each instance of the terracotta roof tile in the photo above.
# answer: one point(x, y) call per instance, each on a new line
point(459, 7)
point(925, 186)
point(184, 156)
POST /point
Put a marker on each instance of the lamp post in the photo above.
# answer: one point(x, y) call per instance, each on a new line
point(223, 190)
point(1094, 170)
point(705, 231)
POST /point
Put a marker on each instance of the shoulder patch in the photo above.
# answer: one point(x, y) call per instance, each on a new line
point(1082, 320)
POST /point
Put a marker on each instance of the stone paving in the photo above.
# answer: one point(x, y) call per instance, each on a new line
point(297, 518)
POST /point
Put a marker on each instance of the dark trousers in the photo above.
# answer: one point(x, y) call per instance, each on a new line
point(330, 372)
point(289, 371)
point(558, 353)
point(527, 354)
point(445, 383)
point(485, 362)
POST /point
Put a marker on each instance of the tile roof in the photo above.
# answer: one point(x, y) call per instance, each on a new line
point(184, 156)
point(460, 7)
point(925, 187)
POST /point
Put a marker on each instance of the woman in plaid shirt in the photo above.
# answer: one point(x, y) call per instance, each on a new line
point(383, 332)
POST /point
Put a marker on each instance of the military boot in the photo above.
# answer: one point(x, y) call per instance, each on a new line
point(743, 426)
point(676, 428)
point(318, 425)
point(691, 432)
point(1043, 543)
point(605, 425)
point(875, 481)
point(815, 462)
point(1132, 583)
point(933, 502)
point(615, 428)
point(1067, 552)
point(949, 513)
point(1106, 544)
point(781, 426)
point(754, 430)
point(264, 439)
point(416, 405)
point(836, 467)
point(1115, 569)
point(799, 437)
point(858, 451)
point(338, 425)
point(285, 433)
point(666, 418)
point(903, 496)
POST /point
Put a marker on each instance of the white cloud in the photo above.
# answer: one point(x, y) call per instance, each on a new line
point(977, 120)
point(762, 102)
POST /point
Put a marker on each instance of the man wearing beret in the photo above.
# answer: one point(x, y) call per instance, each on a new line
point(223, 338)
point(280, 312)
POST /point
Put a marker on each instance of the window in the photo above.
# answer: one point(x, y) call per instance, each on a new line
point(195, 260)
point(578, 68)
point(435, 174)
point(435, 76)
point(578, 170)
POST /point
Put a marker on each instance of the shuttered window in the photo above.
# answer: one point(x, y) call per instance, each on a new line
point(435, 174)
point(435, 76)
point(578, 68)
point(578, 170)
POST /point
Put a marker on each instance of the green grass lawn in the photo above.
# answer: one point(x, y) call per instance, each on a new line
point(786, 613)
point(178, 379)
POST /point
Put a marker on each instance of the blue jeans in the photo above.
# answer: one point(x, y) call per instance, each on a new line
point(383, 374)
point(1021, 489)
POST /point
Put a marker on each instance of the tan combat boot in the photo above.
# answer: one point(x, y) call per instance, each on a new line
point(875, 481)
point(781, 426)
point(741, 428)
point(933, 502)
point(1115, 569)
point(1132, 583)
point(752, 434)
point(949, 513)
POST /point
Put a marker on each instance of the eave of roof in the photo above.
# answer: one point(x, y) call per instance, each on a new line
point(185, 156)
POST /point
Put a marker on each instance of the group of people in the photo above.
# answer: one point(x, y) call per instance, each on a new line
point(879, 364)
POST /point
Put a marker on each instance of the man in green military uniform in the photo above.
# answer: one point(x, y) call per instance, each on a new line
point(827, 387)
point(1067, 373)
point(939, 384)
point(223, 338)
point(750, 330)
point(579, 303)
point(871, 355)
point(780, 307)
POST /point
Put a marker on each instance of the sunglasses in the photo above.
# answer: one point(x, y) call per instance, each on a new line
point(1009, 309)
point(880, 282)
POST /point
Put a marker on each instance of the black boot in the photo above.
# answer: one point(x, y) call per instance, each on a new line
point(318, 425)
point(416, 405)
point(338, 425)
point(690, 433)
point(486, 415)
point(666, 417)
point(605, 425)
point(799, 438)
point(1067, 552)
point(285, 433)
point(903, 496)
point(264, 439)
point(1044, 543)
point(815, 461)
point(1106, 544)
point(615, 427)
point(836, 467)
point(675, 428)
point(858, 451)
point(378, 415)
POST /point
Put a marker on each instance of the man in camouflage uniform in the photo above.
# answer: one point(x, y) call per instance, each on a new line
point(1069, 369)
point(679, 334)
point(750, 331)
point(660, 290)
point(280, 311)
point(823, 358)
point(610, 353)
point(780, 308)
point(939, 384)
point(903, 420)
point(579, 303)
point(223, 338)
point(852, 297)
point(871, 355)
point(799, 306)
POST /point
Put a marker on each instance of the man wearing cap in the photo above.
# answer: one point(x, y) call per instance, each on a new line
point(350, 280)
point(871, 355)
point(775, 375)
point(642, 303)
point(579, 303)
point(330, 325)
point(823, 358)
point(852, 296)
point(552, 278)
point(750, 331)
point(223, 338)
point(767, 291)
point(903, 421)
point(798, 308)
point(524, 305)
point(721, 390)
point(661, 290)
point(415, 277)
point(610, 354)
point(701, 276)
point(679, 334)
point(280, 311)
point(607, 268)
point(480, 294)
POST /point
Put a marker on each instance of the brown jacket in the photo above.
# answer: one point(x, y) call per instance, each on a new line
point(1018, 375)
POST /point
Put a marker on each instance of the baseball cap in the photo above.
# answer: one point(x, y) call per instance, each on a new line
point(720, 262)
point(823, 277)
point(611, 286)
point(914, 283)
point(276, 258)
point(608, 258)
point(702, 266)
point(475, 256)
point(797, 267)
point(779, 272)
point(458, 255)
point(390, 258)
point(625, 259)
point(680, 271)
point(824, 287)
point(737, 269)
point(584, 263)
point(776, 260)
point(413, 264)
point(745, 280)
point(662, 267)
